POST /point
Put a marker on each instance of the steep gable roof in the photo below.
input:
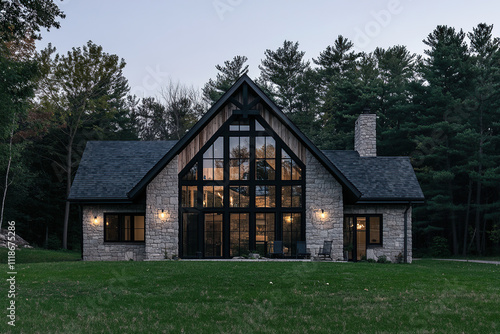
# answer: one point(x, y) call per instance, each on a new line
point(109, 169)
point(244, 79)
point(379, 178)
point(119, 171)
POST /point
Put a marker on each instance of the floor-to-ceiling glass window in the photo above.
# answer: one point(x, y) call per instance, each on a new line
point(241, 192)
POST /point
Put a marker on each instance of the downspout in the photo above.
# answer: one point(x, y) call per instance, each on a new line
point(406, 233)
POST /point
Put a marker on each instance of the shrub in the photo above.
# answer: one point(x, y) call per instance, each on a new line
point(54, 242)
point(439, 247)
point(383, 259)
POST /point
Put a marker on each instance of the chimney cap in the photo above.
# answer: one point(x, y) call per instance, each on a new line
point(367, 110)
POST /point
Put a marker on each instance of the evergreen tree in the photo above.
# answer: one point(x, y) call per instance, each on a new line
point(483, 114)
point(282, 71)
point(347, 93)
point(441, 98)
point(395, 109)
point(227, 76)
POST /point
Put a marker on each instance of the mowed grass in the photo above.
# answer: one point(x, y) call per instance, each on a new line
point(255, 297)
point(34, 255)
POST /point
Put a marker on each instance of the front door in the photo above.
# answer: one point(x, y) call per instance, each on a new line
point(360, 233)
point(360, 238)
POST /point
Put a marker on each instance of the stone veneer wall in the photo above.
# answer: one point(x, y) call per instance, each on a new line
point(323, 192)
point(393, 229)
point(365, 135)
point(94, 247)
point(162, 236)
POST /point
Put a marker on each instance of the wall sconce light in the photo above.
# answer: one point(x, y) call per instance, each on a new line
point(95, 220)
point(163, 214)
point(322, 215)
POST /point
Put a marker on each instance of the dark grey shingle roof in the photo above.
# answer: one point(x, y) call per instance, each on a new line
point(381, 178)
point(109, 169)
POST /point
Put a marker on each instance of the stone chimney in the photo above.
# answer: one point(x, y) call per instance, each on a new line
point(365, 134)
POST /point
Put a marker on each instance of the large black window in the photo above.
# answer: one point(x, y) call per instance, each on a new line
point(249, 193)
point(124, 227)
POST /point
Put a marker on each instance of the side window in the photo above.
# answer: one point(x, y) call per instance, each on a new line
point(124, 227)
point(374, 230)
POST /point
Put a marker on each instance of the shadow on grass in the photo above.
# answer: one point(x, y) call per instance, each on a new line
point(37, 255)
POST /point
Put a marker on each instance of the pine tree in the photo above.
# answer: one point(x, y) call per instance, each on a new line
point(440, 99)
point(283, 72)
point(227, 76)
point(483, 118)
point(395, 110)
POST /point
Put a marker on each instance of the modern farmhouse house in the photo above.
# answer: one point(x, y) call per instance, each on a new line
point(244, 179)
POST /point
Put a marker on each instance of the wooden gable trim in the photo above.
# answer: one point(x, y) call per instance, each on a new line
point(193, 147)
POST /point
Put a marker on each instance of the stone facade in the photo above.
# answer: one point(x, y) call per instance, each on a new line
point(94, 247)
point(162, 235)
point(365, 135)
point(323, 192)
point(392, 230)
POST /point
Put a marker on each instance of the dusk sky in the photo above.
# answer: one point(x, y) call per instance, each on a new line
point(184, 40)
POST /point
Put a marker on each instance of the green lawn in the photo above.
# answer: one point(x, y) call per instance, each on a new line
point(33, 255)
point(255, 297)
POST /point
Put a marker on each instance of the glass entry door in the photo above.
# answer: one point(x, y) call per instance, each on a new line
point(359, 233)
point(360, 238)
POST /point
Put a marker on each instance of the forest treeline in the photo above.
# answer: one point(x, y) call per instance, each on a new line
point(440, 108)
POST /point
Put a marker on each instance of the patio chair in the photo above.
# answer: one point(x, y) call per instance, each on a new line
point(326, 250)
point(276, 248)
point(302, 250)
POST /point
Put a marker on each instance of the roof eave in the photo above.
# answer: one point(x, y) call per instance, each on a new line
point(386, 200)
point(90, 200)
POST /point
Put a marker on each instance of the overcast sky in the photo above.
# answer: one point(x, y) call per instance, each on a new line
point(184, 40)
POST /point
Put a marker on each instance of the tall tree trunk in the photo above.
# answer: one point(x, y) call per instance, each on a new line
point(452, 211)
point(467, 216)
point(68, 189)
point(454, 227)
point(483, 237)
point(477, 222)
point(6, 187)
point(478, 189)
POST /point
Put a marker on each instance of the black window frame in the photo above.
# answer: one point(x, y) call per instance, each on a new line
point(251, 183)
point(368, 229)
point(367, 218)
point(121, 227)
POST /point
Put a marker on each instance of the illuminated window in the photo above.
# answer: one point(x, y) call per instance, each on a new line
point(124, 227)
